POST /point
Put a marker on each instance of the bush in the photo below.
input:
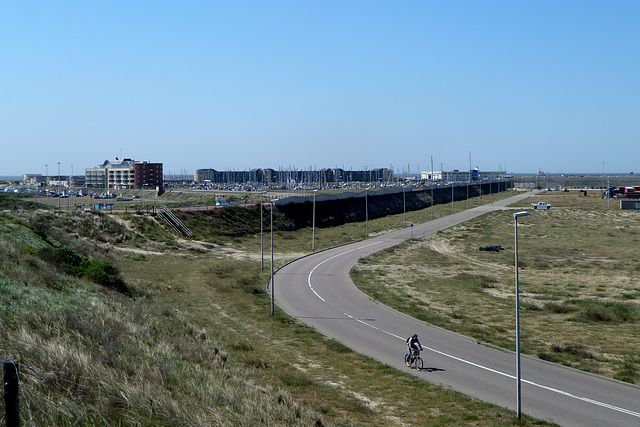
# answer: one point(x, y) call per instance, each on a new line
point(596, 311)
point(559, 308)
point(100, 272)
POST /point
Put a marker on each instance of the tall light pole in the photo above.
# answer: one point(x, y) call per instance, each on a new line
point(58, 185)
point(273, 291)
point(469, 180)
point(452, 195)
point(404, 208)
point(431, 187)
point(490, 185)
point(518, 371)
point(261, 235)
point(366, 210)
point(313, 225)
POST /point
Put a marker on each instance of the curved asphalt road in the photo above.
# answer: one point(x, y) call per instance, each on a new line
point(316, 290)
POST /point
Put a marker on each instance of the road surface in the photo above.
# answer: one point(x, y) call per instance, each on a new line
point(316, 290)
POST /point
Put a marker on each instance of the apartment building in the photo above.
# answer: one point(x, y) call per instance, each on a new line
point(125, 174)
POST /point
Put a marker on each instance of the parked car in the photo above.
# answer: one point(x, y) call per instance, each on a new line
point(541, 205)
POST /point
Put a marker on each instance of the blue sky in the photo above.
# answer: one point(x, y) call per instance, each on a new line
point(522, 85)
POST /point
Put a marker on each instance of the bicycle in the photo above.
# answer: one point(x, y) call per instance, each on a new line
point(414, 359)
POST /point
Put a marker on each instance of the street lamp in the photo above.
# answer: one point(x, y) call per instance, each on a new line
point(58, 185)
point(366, 210)
point(432, 187)
point(404, 208)
point(313, 225)
point(272, 282)
point(518, 371)
point(469, 180)
point(452, 195)
point(261, 234)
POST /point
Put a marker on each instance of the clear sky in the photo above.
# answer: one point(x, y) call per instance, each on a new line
point(521, 85)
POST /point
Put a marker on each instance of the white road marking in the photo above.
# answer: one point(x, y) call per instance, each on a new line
point(318, 265)
point(329, 259)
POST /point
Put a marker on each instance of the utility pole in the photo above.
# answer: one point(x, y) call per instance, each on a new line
point(431, 186)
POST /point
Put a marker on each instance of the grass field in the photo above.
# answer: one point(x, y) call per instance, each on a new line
point(579, 282)
point(193, 343)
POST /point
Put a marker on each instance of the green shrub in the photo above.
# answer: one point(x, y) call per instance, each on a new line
point(100, 272)
point(559, 308)
point(596, 311)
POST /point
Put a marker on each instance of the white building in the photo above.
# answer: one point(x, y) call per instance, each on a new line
point(462, 176)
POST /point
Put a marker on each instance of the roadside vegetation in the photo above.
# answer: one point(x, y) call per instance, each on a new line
point(579, 287)
point(114, 320)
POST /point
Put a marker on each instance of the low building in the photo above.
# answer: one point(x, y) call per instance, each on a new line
point(77, 181)
point(462, 176)
point(34, 179)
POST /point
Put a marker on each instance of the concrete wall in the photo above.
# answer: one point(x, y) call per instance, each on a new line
point(338, 209)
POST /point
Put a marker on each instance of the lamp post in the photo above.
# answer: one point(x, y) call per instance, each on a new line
point(313, 225)
point(469, 180)
point(518, 371)
point(366, 210)
point(58, 185)
point(404, 208)
point(468, 194)
point(261, 234)
point(431, 187)
point(273, 292)
point(452, 195)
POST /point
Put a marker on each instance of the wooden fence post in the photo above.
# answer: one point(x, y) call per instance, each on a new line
point(11, 398)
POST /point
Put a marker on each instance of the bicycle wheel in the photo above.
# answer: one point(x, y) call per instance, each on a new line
point(407, 361)
point(419, 363)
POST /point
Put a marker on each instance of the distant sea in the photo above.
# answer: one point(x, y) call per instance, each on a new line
point(11, 178)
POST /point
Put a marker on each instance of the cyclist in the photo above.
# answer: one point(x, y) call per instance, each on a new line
point(413, 344)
